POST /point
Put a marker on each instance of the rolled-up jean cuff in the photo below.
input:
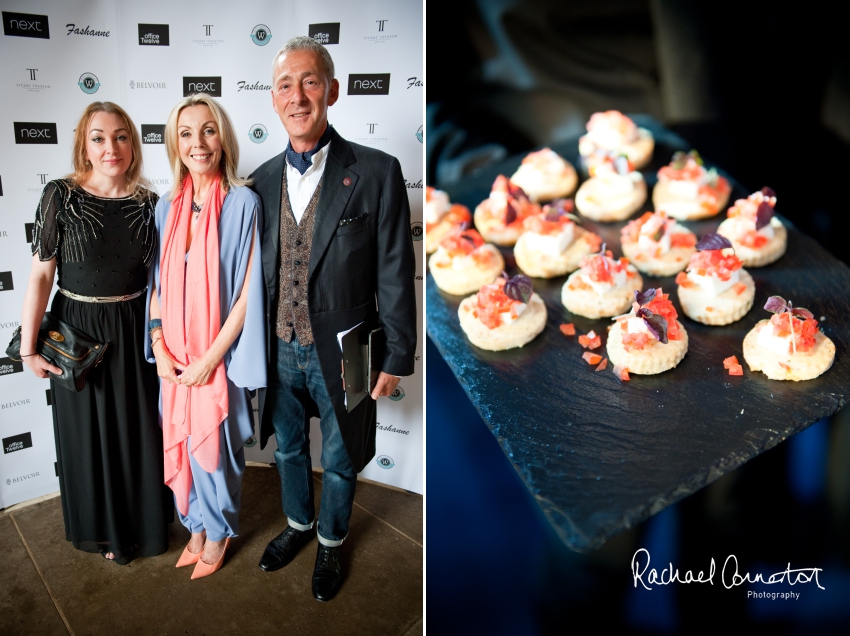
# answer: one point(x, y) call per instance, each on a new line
point(330, 542)
point(300, 526)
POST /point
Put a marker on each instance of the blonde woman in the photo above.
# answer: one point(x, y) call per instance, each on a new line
point(206, 325)
point(95, 228)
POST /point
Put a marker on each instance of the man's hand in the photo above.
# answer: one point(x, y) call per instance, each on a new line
point(385, 385)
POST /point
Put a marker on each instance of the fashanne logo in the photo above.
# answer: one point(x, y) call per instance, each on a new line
point(730, 576)
point(86, 30)
point(256, 86)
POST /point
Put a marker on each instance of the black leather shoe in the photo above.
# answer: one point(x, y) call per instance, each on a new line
point(283, 548)
point(327, 575)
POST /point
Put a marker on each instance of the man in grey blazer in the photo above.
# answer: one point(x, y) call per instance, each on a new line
point(337, 252)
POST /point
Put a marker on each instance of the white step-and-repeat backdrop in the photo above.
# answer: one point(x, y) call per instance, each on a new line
point(60, 55)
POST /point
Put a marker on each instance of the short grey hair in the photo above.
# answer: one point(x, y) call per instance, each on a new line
point(305, 43)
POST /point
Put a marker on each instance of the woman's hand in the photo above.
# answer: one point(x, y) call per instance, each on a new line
point(40, 366)
point(166, 365)
point(198, 372)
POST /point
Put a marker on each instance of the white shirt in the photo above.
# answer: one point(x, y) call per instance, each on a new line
point(301, 187)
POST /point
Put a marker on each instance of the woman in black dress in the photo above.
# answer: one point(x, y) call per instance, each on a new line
point(96, 228)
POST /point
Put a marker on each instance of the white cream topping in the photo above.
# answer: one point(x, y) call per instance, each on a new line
point(551, 244)
point(437, 207)
point(645, 241)
point(637, 325)
point(618, 279)
point(739, 226)
point(506, 316)
point(683, 189)
point(712, 284)
point(779, 346)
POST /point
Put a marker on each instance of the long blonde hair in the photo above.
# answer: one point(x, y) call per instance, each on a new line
point(136, 182)
point(229, 145)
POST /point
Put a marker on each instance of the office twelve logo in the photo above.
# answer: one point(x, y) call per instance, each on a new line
point(153, 133)
point(325, 33)
point(153, 34)
point(35, 133)
point(369, 84)
point(26, 25)
point(209, 85)
point(17, 442)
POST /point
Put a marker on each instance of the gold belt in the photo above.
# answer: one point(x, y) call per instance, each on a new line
point(102, 299)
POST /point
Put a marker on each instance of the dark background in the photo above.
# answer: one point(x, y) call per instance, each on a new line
point(761, 91)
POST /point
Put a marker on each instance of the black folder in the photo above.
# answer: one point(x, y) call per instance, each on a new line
point(362, 358)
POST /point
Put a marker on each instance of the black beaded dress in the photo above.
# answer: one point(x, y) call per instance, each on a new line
point(108, 438)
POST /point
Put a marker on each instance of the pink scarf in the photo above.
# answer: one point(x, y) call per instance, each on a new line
point(197, 410)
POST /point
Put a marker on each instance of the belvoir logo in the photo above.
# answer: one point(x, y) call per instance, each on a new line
point(258, 133)
point(27, 132)
point(383, 35)
point(9, 325)
point(13, 404)
point(87, 30)
point(153, 133)
point(209, 85)
point(15, 480)
point(208, 39)
point(143, 85)
point(31, 86)
point(256, 86)
point(261, 35)
point(7, 366)
point(88, 83)
point(416, 232)
point(153, 34)
point(325, 33)
point(6, 283)
point(369, 84)
point(26, 25)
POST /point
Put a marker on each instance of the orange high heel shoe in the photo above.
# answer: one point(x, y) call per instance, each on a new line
point(205, 569)
point(188, 557)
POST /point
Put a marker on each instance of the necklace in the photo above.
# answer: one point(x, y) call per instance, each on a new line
point(196, 208)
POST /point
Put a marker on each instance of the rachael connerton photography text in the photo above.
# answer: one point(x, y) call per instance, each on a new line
point(730, 576)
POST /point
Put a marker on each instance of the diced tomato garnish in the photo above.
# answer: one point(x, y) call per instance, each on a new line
point(804, 330)
point(578, 283)
point(730, 361)
point(683, 280)
point(538, 224)
point(602, 364)
point(739, 288)
point(785, 366)
point(600, 267)
point(635, 340)
point(736, 369)
point(754, 239)
point(621, 372)
point(591, 358)
point(568, 329)
point(714, 262)
point(462, 243)
point(631, 232)
point(682, 240)
point(662, 305)
point(590, 341)
point(492, 302)
point(593, 240)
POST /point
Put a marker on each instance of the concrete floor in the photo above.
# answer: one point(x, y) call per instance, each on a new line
point(47, 587)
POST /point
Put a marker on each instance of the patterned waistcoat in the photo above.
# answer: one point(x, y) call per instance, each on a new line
point(296, 241)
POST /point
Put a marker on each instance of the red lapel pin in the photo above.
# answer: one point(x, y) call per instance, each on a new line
point(346, 181)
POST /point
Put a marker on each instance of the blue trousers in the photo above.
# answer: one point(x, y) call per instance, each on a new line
point(215, 497)
point(295, 376)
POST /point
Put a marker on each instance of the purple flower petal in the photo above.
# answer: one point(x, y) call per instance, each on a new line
point(655, 324)
point(801, 312)
point(768, 192)
point(510, 213)
point(643, 297)
point(764, 214)
point(519, 288)
point(713, 242)
point(776, 305)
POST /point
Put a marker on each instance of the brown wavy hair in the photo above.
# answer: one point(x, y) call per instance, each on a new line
point(136, 182)
point(229, 144)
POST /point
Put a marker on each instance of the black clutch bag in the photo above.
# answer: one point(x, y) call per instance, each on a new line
point(63, 346)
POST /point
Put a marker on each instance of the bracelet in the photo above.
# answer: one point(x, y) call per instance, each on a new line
point(150, 333)
point(154, 342)
point(155, 323)
point(29, 354)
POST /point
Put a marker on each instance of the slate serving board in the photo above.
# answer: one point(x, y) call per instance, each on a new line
point(599, 456)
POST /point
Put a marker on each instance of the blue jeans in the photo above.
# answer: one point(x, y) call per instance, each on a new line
point(295, 376)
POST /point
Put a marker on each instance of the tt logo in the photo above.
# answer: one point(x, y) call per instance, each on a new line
point(201, 87)
point(32, 73)
point(43, 178)
point(208, 28)
point(381, 24)
point(368, 84)
point(25, 25)
point(371, 128)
